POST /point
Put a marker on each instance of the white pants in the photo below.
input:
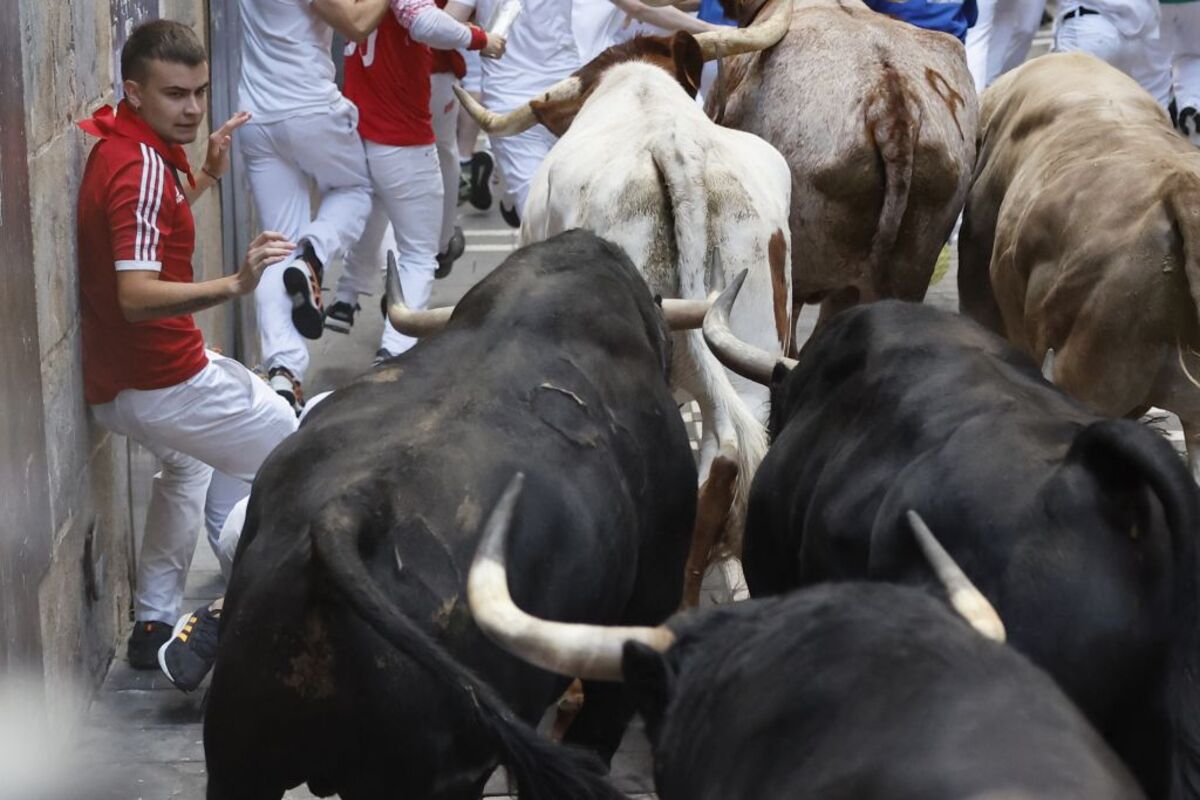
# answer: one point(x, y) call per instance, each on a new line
point(444, 107)
point(519, 157)
point(1181, 37)
point(1000, 38)
point(281, 160)
point(408, 193)
point(210, 433)
point(1142, 58)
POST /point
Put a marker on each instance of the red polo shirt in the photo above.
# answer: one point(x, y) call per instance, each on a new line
point(133, 216)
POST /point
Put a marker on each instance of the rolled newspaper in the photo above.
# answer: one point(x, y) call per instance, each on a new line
point(506, 14)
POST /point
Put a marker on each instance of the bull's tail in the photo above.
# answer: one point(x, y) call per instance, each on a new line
point(1120, 443)
point(682, 167)
point(893, 124)
point(544, 770)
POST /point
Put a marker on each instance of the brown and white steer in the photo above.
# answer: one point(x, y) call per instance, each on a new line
point(1081, 238)
point(877, 120)
point(693, 204)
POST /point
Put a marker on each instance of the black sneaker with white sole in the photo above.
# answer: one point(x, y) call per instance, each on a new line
point(189, 654)
point(454, 250)
point(382, 355)
point(302, 281)
point(339, 317)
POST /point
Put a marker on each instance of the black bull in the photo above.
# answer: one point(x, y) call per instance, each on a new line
point(848, 690)
point(349, 578)
point(1080, 530)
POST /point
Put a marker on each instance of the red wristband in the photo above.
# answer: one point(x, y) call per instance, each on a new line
point(478, 38)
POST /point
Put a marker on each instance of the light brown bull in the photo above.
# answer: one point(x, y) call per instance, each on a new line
point(877, 120)
point(1081, 237)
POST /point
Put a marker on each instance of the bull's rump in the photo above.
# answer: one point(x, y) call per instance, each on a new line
point(828, 124)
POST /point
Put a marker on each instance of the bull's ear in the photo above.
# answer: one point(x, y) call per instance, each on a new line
point(689, 61)
point(650, 681)
point(556, 115)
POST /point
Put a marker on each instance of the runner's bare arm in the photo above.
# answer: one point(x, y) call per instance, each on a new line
point(354, 19)
point(216, 159)
point(143, 297)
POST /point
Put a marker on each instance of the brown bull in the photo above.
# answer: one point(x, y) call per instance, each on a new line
point(877, 120)
point(1081, 238)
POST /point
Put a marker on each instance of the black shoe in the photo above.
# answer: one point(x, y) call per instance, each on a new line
point(189, 654)
point(382, 355)
point(287, 386)
point(454, 250)
point(510, 215)
point(302, 280)
point(1189, 124)
point(144, 642)
point(339, 317)
point(480, 167)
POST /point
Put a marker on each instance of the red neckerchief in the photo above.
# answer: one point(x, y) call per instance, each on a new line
point(123, 121)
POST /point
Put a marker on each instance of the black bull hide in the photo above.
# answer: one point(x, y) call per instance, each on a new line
point(555, 366)
point(863, 691)
point(1079, 530)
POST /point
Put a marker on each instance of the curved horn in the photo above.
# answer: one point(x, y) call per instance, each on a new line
point(520, 118)
point(571, 649)
point(403, 318)
point(759, 36)
point(744, 359)
point(966, 599)
point(684, 314)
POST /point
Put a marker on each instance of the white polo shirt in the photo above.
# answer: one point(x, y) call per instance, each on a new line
point(599, 24)
point(287, 68)
point(541, 51)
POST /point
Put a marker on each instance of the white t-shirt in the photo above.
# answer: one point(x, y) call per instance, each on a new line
point(1130, 17)
point(540, 52)
point(287, 68)
point(598, 25)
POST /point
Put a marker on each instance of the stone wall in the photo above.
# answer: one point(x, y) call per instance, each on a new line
point(68, 66)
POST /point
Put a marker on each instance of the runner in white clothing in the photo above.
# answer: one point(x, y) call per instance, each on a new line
point(541, 51)
point(600, 24)
point(1125, 33)
point(302, 130)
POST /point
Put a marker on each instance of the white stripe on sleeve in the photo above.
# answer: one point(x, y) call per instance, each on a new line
point(160, 189)
point(137, 242)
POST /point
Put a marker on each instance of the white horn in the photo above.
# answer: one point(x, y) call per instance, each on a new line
point(404, 319)
point(684, 314)
point(759, 36)
point(571, 649)
point(744, 359)
point(966, 599)
point(520, 118)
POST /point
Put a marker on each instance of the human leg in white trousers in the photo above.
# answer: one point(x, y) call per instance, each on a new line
point(519, 157)
point(1181, 37)
point(1142, 58)
point(1001, 37)
point(281, 158)
point(443, 105)
point(224, 418)
point(408, 193)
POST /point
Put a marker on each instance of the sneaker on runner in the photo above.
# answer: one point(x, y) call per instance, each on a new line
point(302, 281)
point(144, 642)
point(510, 214)
point(454, 250)
point(339, 317)
point(382, 355)
point(481, 166)
point(189, 654)
point(286, 385)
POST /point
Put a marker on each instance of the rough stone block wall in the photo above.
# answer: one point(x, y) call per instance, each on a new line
point(68, 69)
